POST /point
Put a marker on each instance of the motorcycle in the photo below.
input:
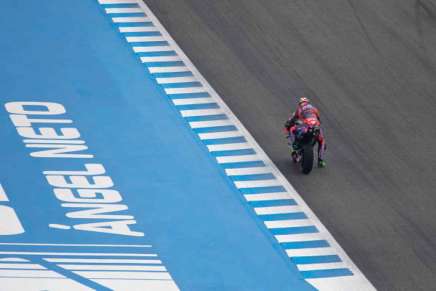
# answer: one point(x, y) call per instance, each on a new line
point(305, 142)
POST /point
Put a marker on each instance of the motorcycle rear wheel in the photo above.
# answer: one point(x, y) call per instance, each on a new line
point(307, 159)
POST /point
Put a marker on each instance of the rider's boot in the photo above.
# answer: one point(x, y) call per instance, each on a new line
point(321, 163)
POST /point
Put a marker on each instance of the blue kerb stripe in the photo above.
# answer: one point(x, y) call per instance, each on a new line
point(269, 203)
point(326, 273)
point(164, 64)
point(207, 117)
point(243, 165)
point(149, 43)
point(258, 190)
point(198, 106)
point(133, 24)
point(189, 95)
point(294, 230)
point(226, 140)
point(182, 85)
point(157, 54)
point(142, 33)
point(215, 129)
point(316, 259)
point(172, 75)
point(284, 216)
point(254, 177)
point(125, 5)
point(233, 153)
point(306, 244)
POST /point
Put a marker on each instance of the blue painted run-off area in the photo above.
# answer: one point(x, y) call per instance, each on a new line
point(69, 52)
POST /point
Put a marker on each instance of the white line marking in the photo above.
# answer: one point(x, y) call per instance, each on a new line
point(267, 196)
point(228, 146)
point(124, 275)
point(3, 196)
point(170, 91)
point(160, 59)
point(124, 29)
point(249, 171)
point(222, 134)
point(177, 69)
point(112, 268)
point(22, 266)
point(324, 266)
point(123, 10)
point(277, 209)
point(201, 112)
point(144, 38)
point(288, 223)
point(130, 19)
point(147, 49)
point(190, 101)
point(298, 237)
point(79, 254)
point(101, 261)
point(75, 245)
point(13, 260)
point(30, 274)
point(257, 183)
point(237, 159)
point(176, 80)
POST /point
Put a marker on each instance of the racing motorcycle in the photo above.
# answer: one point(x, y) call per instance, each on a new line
point(305, 142)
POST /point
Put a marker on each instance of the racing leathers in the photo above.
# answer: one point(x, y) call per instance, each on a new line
point(302, 119)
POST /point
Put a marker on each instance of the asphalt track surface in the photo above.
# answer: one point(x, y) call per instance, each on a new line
point(370, 66)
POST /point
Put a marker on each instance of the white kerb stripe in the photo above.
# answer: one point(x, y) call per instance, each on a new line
point(277, 209)
point(212, 123)
point(216, 135)
point(144, 38)
point(117, 1)
point(13, 260)
point(137, 29)
point(123, 10)
point(170, 91)
point(238, 159)
point(189, 101)
point(311, 252)
point(112, 267)
point(288, 223)
point(257, 183)
point(177, 69)
point(229, 147)
point(148, 49)
point(176, 80)
point(267, 196)
point(160, 59)
point(124, 275)
point(324, 266)
point(79, 254)
point(201, 112)
point(248, 171)
point(282, 238)
point(130, 19)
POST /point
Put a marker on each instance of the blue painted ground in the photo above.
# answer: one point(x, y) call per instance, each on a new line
point(69, 52)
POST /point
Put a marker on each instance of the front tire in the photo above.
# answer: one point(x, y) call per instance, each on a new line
point(307, 159)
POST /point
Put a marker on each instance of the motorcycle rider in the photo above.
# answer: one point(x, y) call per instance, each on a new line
point(304, 117)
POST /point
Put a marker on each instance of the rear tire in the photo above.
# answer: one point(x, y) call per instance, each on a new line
point(307, 161)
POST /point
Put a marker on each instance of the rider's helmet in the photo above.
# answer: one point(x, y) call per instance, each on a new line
point(303, 100)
